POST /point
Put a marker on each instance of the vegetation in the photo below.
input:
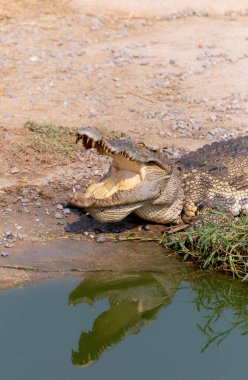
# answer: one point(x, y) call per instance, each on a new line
point(222, 300)
point(51, 138)
point(218, 246)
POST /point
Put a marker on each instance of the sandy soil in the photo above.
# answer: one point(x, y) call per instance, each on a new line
point(172, 75)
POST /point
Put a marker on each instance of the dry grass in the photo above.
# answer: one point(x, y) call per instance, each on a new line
point(50, 138)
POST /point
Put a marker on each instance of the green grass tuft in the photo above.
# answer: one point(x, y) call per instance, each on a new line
point(218, 246)
point(51, 138)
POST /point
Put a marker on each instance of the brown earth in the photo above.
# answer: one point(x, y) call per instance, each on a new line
point(172, 75)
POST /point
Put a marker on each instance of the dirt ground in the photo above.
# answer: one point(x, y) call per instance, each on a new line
point(172, 75)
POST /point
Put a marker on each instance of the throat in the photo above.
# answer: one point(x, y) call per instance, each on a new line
point(118, 179)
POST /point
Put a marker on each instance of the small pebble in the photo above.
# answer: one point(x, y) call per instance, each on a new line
point(100, 239)
point(8, 235)
point(4, 254)
point(68, 228)
point(144, 63)
point(58, 215)
point(232, 58)
point(9, 245)
point(7, 137)
point(14, 170)
point(22, 236)
point(146, 227)
point(92, 112)
point(34, 58)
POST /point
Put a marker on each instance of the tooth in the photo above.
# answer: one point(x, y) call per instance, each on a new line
point(93, 144)
point(87, 140)
point(78, 137)
point(73, 189)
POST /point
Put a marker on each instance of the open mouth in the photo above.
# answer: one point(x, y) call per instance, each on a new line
point(136, 177)
point(124, 174)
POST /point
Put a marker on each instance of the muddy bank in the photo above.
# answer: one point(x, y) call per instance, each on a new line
point(36, 261)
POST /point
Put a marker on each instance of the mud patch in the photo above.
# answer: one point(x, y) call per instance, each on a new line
point(58, 258)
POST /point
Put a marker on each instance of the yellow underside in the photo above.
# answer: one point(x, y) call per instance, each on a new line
point(123, 175)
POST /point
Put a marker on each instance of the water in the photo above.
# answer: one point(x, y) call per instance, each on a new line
point(168, 325)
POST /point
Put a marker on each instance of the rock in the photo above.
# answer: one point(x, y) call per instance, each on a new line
point(9, 245)
point(92, 112)
point(59, 207)
point(8, 235)
point(68, 228)
point(7, 137)
point(146, 227)
point(58, 215)
point(8, 210)
point(4, 254)
point(100, 239)
point(66, 211)
point(22, 236)
point(14, 170)
point(34, 58)
point(232, 58)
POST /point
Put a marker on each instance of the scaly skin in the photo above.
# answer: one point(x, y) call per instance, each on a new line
point(157, 189)
point(215, 177)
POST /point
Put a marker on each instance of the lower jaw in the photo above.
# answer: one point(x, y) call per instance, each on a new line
point(112, 214)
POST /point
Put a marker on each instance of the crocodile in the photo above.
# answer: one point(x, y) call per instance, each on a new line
point(212, 179)
point(134, 299)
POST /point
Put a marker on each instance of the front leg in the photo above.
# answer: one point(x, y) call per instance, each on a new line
point(196, 213)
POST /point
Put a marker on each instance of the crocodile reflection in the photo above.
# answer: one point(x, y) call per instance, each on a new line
point(134, 300)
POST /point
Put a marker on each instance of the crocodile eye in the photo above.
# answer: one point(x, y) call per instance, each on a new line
point(140, 145)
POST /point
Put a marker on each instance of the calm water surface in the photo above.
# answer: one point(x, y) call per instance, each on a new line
point(126, 326)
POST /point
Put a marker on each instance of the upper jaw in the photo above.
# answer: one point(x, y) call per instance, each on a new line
point(94, 139)
point(131, 150)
